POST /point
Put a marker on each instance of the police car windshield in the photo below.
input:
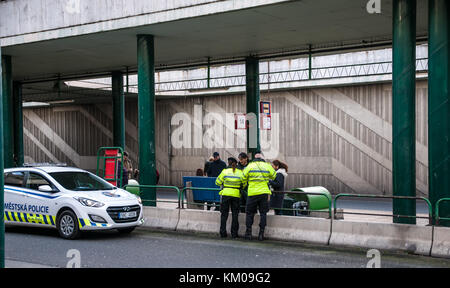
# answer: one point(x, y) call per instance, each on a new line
point(81, 181)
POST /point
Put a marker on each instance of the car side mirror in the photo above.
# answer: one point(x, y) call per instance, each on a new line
point(45, 188)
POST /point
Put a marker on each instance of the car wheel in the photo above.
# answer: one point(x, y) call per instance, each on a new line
point(67, 225)
point(126, 230)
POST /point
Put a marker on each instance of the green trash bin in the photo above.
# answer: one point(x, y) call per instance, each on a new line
point(133, 190)
point(315, 202)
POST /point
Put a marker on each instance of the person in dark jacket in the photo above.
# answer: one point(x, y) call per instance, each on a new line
point(243, 162)
point(207, 164)
point(122, 173)
point(276, 200)
point(216, 167)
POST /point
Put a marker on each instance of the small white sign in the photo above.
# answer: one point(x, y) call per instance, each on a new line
point(241, 121)
point(266, 122)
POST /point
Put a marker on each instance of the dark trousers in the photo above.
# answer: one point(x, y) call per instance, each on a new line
point(227, 203)
point(243, 201)
point(254, 203)
point(276, 202)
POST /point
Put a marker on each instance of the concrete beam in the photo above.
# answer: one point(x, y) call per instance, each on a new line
point(53, 19)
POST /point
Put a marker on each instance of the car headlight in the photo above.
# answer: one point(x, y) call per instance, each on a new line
point(139, 199)
point(89, 202)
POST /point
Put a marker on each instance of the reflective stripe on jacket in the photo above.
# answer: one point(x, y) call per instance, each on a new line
point(257, 174)
point(231, 182)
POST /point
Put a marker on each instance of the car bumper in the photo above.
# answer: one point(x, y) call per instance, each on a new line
point(86, 222)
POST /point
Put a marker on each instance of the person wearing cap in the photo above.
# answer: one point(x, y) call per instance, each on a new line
point(257, 174)
point(231, 181)
point(216, 166)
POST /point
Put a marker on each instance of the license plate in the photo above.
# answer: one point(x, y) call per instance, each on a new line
point(126, 215)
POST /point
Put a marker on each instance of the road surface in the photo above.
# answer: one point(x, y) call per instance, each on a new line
point(155, 249)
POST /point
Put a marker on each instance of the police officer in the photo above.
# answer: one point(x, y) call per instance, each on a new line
point(257, 174)
point(231, 180)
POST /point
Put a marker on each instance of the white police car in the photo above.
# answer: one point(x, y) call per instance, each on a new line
point(69, 199)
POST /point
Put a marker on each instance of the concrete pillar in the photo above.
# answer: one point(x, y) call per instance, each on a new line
point(146, 115)
point(2, 199)
point(118, 110)
point(18, 123)
point(403, 114)
point(8, 122)
point(253, 98)
point(438, 105)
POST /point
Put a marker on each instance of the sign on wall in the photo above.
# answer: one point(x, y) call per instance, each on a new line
point(266, 115)
point(240, 121)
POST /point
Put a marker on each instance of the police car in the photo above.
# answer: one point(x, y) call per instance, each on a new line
point(69, 199)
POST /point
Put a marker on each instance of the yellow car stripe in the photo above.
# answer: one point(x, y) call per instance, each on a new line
point(29, 218)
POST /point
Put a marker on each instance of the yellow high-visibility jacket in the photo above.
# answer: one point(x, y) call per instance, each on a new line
point(257, 174)
point(231, 182)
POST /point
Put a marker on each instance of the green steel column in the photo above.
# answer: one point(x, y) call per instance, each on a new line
point(253, 98)
point(438, 105)
point(18, 123)
point(2, 199)
point(310, 62)
point(403, 105)
point(146, 115)
point(8, 122)
point(118, 110)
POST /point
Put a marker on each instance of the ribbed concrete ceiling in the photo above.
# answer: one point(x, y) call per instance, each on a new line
point(274, 28)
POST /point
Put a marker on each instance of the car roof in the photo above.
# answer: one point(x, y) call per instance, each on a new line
point(47, 169)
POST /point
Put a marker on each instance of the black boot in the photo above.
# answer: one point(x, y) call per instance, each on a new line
point(248, 234)
point(261, 235)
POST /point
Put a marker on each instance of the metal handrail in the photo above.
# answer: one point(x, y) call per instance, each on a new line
point(430, 213)
point(158, 186)
point(307, 193)
point(284, 192)
point(437, 210)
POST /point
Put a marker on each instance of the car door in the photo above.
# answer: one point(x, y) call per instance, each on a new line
point(15, 199)
point(41, 205)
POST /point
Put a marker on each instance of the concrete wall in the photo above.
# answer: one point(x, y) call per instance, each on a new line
point(386, 236)
point(339, 138)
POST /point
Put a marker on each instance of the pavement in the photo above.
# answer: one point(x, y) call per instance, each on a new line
point(20, 264)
